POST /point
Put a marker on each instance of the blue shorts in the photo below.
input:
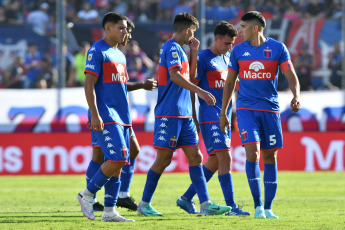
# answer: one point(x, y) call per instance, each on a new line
point(260, 127)
point(215, 140)
point(172, 133)
point(114, 142)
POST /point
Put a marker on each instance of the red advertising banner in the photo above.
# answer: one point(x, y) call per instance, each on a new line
point(70, 153)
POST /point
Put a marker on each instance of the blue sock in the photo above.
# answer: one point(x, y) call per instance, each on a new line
point(97, 181)
point(111, 191)
point(225, 181)
point(254, 179)
point(270, 183)
point(198, 180)
point(91, 170)
point(127, 175)
point(190, 193)
point(150, 186)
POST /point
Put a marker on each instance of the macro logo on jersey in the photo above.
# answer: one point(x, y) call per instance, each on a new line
point(114, 72)
point(258, 70)
point(216, 78)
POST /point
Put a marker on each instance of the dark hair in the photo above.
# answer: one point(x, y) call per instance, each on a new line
point(254, 16)
point(112, 17)
point(224, 28)
point(130, 23)
point(183, 21)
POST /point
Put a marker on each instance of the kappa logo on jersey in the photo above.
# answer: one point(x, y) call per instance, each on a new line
point(217, 140)
point(112, 151)
point(93, 49)
point(162, 131)
point(109, 145)
point(258, 72)
point(246, 54)
point(161, 138)
point(173, 142)
point(215, 134)
point(105, 132)
point(173, 48)
point(214, 64)
point(89, 57)
point(107, 138)
point(214, 127)
point(163, 125)
point(174, 54)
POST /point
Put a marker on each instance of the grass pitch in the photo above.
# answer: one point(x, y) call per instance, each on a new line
point(303, 201)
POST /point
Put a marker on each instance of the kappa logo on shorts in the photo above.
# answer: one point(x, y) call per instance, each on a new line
point(164, 119)
point(214, 127)
point(105, 132)
point(173, 142)
point(215, 134)
point(163, 125)
point(109, 145)
point(112, 151)
point(107, 138)
point(161, 138)
point(217, 140)
point(244, 135)
point(162, 131)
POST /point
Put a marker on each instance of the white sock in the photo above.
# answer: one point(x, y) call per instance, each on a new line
point(205, 203)
point(87, 193)
point(109, 209)
point(123, 194)
point(95, 200)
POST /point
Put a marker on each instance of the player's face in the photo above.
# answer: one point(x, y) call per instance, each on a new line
point(190, 34)
point(118, 32)
point(224, 43)
point(246, 31)
point(128, 36)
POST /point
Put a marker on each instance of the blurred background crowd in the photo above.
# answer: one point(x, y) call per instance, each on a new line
point(38, 70)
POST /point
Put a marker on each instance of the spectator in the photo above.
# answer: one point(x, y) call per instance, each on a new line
point(334, 64)
point(315, 9)
point(88, 14)
point(69, 67)
point(304, 64)
point(80, 62)
point(2, 16)
point(39, 18)
point(137, 73)
point(165, 9)
point(14, 12)
point(48, 76)
point(183, 6)
point(32, 63)
point(13, 76)
point(135, 51)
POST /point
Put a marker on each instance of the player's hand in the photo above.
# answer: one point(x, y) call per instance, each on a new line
point(150, 84)
point(97, 124)
point(194, 44)
point(295, 105)
point(207, 97)
point(224, 123)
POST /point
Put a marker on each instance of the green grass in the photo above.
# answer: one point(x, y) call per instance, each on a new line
point(303, 201)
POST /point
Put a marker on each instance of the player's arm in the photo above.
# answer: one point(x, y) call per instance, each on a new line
point(229, 88)
point(192, 97)
point(290, 74)
point(148, 84)
point(193, 45)
point(96, 121)
point(177, 78)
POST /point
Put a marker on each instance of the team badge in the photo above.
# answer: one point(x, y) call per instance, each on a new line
point(123, 152)
point(244, 135)
point(173, 142)
point(267, 53)
point(89, 57)
point(174, 54)
point(228, 142)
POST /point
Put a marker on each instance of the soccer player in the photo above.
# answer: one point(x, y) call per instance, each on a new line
point(255, 62)
point(212, 71)
point(106, 95)
point(174, 125)
point(124, 199)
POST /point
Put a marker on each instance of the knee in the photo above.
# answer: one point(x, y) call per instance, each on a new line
point(161, 164)
point(97, 155)
point(195, 159)
point(253, 156)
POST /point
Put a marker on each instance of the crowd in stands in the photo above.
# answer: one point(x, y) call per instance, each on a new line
point(37, 70)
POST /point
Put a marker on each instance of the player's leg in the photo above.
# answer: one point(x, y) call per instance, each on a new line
point(125, 200)
point(272, 140)
point(250, 137)
point(162, 161)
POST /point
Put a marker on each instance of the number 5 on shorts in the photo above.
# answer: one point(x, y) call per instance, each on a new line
point(273, 140)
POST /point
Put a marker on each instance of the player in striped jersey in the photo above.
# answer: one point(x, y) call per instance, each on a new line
point(255, 63)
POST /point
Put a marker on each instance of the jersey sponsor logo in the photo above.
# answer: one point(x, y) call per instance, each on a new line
point(114, 72)
point(89, 57)
point(246, 54)
point(107, 138)
point(89, 66)
point(161, 138)
point(258, 72)
point(173, 48)
point(173, 62)
point(174, 54)
point(185, 69)
point(173, 142)
point(216, 79)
